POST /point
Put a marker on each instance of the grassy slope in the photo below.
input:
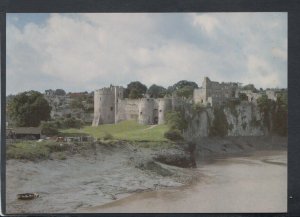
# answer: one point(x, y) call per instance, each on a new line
point(126, 130)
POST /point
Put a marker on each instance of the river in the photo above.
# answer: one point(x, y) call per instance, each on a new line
point(255, 183)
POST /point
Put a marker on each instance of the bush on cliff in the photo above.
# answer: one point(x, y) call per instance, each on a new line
point(175, 120)
point(220, 125)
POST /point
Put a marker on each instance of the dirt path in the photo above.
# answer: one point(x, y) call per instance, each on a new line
point(148, 128)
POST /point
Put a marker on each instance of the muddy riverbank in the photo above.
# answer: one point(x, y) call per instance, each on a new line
point(255, 183)
point(97, 176)
point(117, 172)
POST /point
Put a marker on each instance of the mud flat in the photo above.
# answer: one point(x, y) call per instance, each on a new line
point(88, 179)
point(256, 183)
point(126, 177)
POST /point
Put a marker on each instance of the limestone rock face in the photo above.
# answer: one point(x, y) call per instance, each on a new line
point(243, 120)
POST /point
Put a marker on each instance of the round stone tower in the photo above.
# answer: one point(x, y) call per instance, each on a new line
point(104, 106)
point(164, 105)
point(146, 107)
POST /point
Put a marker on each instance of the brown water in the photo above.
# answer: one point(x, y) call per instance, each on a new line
point(256, 183)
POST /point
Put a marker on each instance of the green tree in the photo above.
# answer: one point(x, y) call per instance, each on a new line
point(176, 120)
point(72, 123)
point(156, 91)
point(250, 87)
point(135, 90)
point(134, 94)
point(183, 88)
point(60, 92)
point(29, 108)
point(186, 92)
point(184, 83)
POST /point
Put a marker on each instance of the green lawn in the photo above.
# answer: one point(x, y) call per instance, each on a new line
point(126, 130)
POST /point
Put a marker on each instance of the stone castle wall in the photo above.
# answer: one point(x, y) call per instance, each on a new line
point(128, 109)
point(110, 107)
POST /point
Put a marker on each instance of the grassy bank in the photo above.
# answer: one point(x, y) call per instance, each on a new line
point(148, 136)
point(126, 130)
point(33, 150)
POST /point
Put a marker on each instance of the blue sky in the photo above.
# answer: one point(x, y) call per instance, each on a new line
point(79, 52)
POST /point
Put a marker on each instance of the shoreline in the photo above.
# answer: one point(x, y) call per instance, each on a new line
point(210, 180)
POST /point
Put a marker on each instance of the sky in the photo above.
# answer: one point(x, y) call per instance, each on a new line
point(84, 52)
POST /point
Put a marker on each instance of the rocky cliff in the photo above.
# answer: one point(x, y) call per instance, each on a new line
point(242, 119)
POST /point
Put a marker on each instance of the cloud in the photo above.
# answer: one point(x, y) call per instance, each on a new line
point(207, 22)
point(279, 53)
point(81, 52)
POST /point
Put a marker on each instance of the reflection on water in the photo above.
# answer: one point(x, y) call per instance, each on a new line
point(255, 183)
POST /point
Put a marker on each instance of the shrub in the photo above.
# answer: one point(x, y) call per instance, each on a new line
point(175, 120)
point(56, 147)
point(49, 129)
point(61, 156)
point(173, 134)
point(72, 123)
point(107, 136)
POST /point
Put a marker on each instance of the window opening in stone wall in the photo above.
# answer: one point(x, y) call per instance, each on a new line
point(111, 108)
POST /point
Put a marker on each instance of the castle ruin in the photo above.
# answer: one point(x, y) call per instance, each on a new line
point(110, 106)
point(215, 93)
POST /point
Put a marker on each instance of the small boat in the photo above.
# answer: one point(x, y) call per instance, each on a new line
point(27, 196)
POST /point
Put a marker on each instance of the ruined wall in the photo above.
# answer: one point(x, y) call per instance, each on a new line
point(271, 94)
point(199, 96)
point(217, 92)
